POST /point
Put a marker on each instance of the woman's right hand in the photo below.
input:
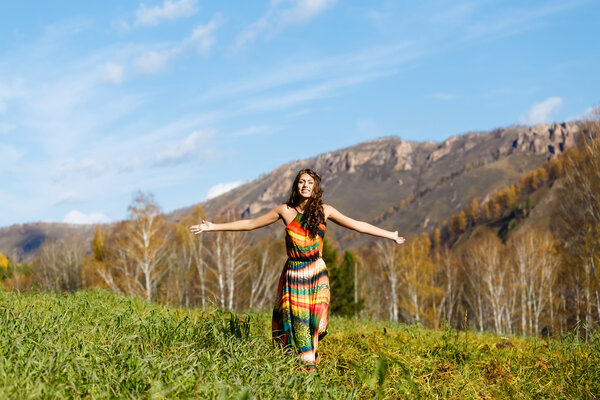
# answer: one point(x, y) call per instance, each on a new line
point(397, 238)
point(204, 226)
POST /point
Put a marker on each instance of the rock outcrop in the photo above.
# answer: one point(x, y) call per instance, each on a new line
point(545, 138)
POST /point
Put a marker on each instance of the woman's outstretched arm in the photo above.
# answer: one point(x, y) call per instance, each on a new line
point(360, 226)
point(241, 225)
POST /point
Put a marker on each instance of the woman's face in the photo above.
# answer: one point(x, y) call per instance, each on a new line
point(306, 185)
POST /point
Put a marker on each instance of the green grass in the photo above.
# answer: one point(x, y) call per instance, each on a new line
point(95, 344)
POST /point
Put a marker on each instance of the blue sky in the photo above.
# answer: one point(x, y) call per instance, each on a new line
point(185, 98)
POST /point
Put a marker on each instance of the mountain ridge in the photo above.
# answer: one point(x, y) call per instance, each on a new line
point(397, 184)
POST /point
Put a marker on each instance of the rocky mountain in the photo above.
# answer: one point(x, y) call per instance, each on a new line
point(409, 186)
point(396, 184)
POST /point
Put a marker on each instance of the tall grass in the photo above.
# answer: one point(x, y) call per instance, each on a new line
point(95, 344)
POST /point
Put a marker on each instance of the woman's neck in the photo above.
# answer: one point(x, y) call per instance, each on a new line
point(302, 205)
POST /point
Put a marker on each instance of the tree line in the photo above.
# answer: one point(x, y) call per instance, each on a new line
point(145, 256)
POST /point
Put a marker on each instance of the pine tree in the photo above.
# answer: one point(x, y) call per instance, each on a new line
point(329, 255)
point(342, 288)
point(341, 282)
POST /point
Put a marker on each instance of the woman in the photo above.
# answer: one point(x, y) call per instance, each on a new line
point(300, 313)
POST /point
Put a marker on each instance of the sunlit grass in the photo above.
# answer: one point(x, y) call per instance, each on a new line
point(96, 344)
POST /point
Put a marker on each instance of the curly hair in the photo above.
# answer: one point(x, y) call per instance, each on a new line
point(313, 211)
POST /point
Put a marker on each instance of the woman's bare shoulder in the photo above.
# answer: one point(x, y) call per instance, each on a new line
point(327, 210)
point(283, 209)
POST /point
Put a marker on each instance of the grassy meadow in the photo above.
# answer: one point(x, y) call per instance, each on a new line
point(96, 344)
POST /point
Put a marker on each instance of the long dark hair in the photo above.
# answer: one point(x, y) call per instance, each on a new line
point(313, 211)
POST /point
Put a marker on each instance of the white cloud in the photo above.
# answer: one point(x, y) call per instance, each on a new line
point(541, 112)
point(152, 62)
point(169, 11)
point(130, 164)
point(246, 36)
point(195, 144)
point(292, 98)
point(70, 198)
point(278, 18)
point(588, 114)
point(90, 168)
point(221, 188)
point(304, 11)
point(202, 38)
point(488, 25)
point(112, 73)
point(372, 60)
point(77, 217)
point(323, 90)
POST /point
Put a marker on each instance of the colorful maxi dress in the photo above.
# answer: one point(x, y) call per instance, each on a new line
point(300, 312)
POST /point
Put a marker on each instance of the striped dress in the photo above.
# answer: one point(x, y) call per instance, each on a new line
point(300, 312)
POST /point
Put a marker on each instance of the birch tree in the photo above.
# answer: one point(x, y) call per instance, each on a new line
point(59, 265)
point(387, 259)
point(179, 262)
point(236, 261)
point(147, 235)
point(263, 272)
point(488, 277)
point(228, 258)
point(536, 261)
point(134, 262)
point(186, 256)
point(448, 279)
point(416, 275)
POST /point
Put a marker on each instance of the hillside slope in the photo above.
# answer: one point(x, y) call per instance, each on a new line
point(409, 186)
point(23, 241)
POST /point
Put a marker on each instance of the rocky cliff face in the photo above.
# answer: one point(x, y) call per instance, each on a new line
point(392, 153)
point(404, 159)
point(388, 151)
point(545, 138)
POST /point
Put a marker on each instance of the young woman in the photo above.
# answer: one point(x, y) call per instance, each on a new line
point(300, 312)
